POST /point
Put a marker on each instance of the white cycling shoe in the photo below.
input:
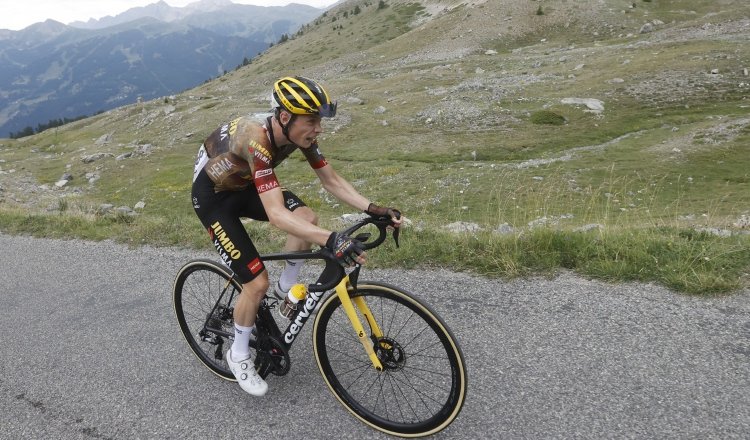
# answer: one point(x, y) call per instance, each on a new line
point(247, 377)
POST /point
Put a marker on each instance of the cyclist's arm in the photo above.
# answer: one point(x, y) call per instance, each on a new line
point(271, 197)
point(341, 188)
point(282, 218)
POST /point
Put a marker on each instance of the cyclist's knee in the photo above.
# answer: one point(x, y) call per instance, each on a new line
point(308, 214)
point(257, 287)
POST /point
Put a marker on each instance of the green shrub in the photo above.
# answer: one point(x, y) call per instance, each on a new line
point(546, 117)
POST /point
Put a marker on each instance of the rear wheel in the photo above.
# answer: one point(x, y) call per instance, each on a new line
point(423, 383)
point(204, 294)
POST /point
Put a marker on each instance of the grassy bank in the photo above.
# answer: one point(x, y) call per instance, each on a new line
point(682, 259)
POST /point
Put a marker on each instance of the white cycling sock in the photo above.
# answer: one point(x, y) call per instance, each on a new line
point(289, 275)
point(241, 344)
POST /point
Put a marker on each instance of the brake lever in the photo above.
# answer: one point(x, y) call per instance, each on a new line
point(397, 231)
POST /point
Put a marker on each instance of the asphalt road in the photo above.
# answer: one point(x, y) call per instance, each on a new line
point(91, 349)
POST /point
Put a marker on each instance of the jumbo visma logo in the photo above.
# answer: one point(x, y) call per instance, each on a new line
point(222, 242)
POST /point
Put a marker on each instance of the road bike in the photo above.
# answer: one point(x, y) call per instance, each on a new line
point(384, 354)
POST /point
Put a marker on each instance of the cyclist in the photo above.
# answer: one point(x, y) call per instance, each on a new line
point(234, 177)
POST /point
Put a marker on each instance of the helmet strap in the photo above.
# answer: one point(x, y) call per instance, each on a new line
point(270, 132)
point(285, 128)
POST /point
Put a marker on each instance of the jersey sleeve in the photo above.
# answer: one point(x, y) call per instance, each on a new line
point(263, 176)
point(314, 157)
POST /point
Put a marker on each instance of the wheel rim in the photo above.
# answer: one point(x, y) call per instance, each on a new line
point(422, 386)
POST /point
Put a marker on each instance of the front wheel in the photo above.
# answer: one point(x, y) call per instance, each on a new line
point(423, 383)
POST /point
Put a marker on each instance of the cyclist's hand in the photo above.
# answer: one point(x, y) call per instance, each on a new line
point(381, 211)
point(347, 250)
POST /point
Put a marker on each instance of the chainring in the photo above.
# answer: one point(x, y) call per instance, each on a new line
point(271, 357)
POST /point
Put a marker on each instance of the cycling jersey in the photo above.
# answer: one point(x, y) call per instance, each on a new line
point(242, 152)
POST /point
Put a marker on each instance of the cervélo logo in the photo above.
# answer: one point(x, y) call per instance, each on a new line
point(309, 306)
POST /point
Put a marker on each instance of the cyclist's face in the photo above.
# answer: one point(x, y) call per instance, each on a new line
point(305, 130)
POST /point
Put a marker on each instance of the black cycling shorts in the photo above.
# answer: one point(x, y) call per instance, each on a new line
point(220, 214)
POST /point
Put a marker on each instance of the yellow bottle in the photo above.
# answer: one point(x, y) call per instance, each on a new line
point(297, 293)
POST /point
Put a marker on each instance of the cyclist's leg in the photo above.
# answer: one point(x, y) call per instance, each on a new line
point(254, 209)
point(300, 209)
point(293, 244)
point(220, 214)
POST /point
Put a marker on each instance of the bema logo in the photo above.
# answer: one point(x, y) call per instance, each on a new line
point(221, 239)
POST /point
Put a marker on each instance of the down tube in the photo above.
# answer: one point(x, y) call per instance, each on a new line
point(295, 326)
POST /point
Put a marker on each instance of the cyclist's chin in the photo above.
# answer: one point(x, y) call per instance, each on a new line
point(307, 142)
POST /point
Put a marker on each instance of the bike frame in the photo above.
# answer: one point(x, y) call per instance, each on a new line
point(334, 277)
point(314, 296)
point(346, 301)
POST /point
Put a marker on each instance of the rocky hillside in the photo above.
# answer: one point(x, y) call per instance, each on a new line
point(439, 84)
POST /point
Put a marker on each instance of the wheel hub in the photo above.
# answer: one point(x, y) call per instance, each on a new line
point(390, 353)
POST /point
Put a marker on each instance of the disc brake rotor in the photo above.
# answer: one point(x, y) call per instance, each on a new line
point(390, 354)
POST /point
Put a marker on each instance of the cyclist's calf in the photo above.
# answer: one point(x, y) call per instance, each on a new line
point(250, 299)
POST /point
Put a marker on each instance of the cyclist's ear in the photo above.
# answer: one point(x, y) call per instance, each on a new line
point(284, 117)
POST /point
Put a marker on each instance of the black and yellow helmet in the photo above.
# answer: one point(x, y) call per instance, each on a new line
point(302, 96)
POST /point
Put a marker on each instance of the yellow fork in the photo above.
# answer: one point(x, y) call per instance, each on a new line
point(346, 301)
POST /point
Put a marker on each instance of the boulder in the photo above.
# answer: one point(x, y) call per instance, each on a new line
point(594, 105)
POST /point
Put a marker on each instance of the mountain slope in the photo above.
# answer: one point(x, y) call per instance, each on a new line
point(482, 112)
point(52, 71)
point(261, 23)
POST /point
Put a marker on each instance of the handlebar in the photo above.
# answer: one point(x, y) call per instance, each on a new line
point(333, 272)
point(381, 222)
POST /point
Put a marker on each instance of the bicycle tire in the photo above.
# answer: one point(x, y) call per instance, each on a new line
point(197, 288)
point(422, 387)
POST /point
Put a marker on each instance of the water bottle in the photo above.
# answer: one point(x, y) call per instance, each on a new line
point(297, 293)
